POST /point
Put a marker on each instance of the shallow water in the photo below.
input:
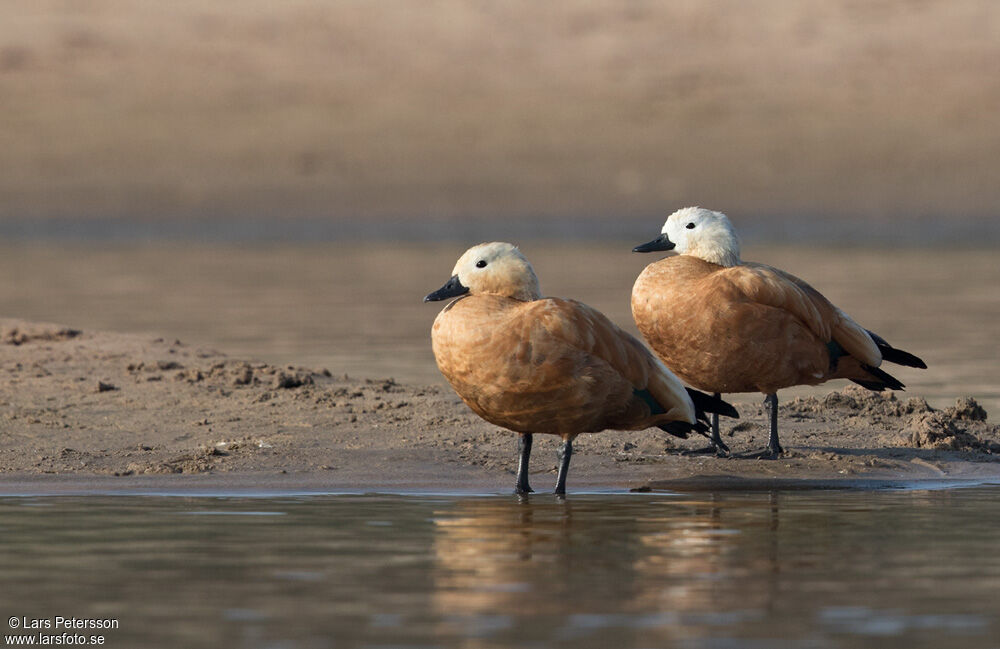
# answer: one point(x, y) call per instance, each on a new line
point(778, 569)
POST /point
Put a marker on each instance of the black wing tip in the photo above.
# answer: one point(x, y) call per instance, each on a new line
point(704, 402)
point(682, 428)
point(874, 386)
point(882, 380)
point(897, 356)
point(676, 428)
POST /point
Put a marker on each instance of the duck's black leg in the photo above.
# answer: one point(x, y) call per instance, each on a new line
point(716, 446)
point(771, 406)
point(773, 450)
point(524, 452)
point(565, 453)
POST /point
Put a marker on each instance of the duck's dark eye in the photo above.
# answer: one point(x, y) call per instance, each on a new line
point(481, 263)
point(689, 226)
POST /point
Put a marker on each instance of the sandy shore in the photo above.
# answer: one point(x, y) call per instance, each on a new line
point(95, 411)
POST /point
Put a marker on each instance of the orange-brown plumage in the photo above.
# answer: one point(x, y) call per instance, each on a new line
point(550, 366)
point(746, 328)
point(724, 325)
point(546, 365)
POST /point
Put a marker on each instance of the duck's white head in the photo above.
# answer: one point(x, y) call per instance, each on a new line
point(491, 269)
point(698, 232)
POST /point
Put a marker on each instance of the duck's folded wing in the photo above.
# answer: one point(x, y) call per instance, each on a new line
point(775, 288)
point(588, 330)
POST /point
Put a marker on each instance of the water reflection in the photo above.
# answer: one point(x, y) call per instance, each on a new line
point(685, 571)
point(610, 569)
point(892, 569)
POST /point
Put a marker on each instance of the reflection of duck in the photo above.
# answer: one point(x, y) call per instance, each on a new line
point(585, 557)
point(724, 325)
point(685, 557)
point(548, 365)
point(677, 548)
point(490, 555)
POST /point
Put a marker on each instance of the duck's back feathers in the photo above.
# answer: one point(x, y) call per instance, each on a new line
point(744, 328)
point(776, 288)
point(552, 366)
point(590, 332)
point(764, 285)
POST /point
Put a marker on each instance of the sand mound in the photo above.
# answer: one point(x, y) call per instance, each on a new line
point(966, 409)
point(937, 431)
point(854, 400)
point(30, 332)
point(962, 427)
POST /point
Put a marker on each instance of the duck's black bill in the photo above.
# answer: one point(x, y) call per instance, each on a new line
point(659, 243)
point(452, 288)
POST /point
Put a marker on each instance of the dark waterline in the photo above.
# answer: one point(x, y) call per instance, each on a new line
point(894, 568)
point(796, 229)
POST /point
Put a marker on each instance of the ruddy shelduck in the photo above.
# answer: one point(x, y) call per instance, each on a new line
point(725, 325)
point(549, 365)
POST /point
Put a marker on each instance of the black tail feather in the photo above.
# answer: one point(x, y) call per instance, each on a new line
point(881, 380)
point(703, 404)
point(682, 428)
point(707, 403)
point(897, 356)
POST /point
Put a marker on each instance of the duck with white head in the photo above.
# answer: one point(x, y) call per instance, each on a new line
point(725, 325)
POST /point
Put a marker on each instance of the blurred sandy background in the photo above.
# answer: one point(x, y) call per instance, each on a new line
point(780, 111)
point(286, 180)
